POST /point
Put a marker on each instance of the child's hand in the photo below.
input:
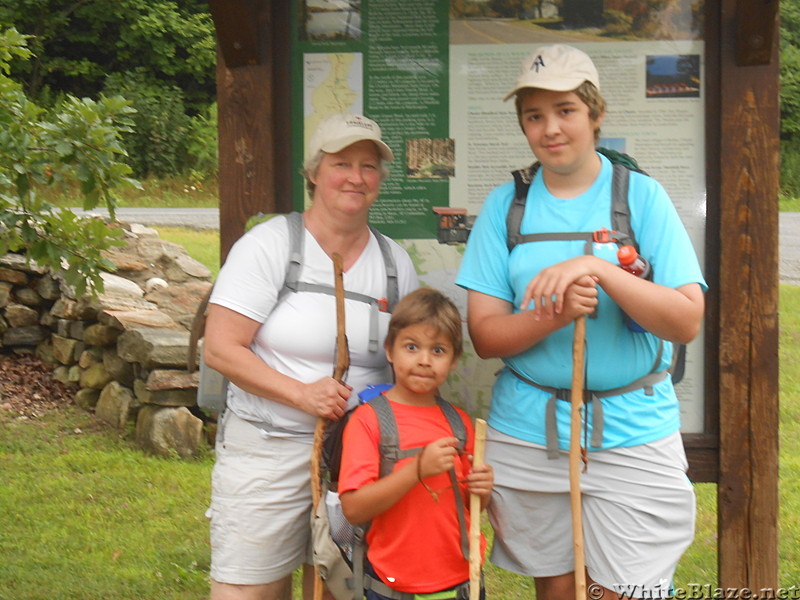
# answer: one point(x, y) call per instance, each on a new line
point(480, 481)
point(437, 457)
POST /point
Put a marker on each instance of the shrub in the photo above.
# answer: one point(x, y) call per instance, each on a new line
point(157, 144)
point(201, 148)
point(790, 169)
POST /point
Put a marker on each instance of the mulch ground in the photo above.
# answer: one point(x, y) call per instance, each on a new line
point(27, 387)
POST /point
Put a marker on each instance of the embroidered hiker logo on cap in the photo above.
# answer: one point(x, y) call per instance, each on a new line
point(559, 68)
point(358, 121)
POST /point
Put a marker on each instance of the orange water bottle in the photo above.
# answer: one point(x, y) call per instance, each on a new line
point(631, 261)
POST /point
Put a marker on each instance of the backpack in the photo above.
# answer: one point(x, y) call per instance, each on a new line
point(340, 548)
point(621, 233)
point(212, 391)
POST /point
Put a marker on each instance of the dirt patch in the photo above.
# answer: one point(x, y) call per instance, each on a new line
point(27, 387)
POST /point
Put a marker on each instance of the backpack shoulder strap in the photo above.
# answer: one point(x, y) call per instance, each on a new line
point(389, 445)
point(620, 209)
point(454, 420)
point(392, 285)
point(296, 234)
point(522, 183)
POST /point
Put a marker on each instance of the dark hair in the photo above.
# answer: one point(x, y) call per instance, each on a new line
point(587, 92)
point(430, 307)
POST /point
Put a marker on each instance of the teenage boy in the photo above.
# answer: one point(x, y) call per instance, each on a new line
point(638, 505)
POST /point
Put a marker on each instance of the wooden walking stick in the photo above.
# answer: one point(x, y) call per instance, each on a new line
point(475, 516)
point(339, 370)
point(575, 455)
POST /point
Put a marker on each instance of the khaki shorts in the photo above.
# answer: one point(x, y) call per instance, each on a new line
point(638, 512)
point(260, 505)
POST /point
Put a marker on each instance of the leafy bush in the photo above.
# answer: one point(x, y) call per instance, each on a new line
point(80, 140)
point(790, 169)
point(201, 148)
point(157, 143)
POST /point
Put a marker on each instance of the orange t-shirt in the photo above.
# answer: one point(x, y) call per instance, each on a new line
point(415, 546)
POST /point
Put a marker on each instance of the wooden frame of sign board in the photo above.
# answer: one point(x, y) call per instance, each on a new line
point(739, 447)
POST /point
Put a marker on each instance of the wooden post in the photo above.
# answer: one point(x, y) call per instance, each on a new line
point(252, 112)
point(748, 301)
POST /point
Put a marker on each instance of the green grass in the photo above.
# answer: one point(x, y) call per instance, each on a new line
point(87, 516)
point(168, 192)
point(787, 204)
point(201, 245)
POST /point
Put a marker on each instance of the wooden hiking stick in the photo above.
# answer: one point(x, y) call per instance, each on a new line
point(475, 516)
point(339, 369)
point(575, 455)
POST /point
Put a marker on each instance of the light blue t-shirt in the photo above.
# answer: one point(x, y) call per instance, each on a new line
point(616, 356)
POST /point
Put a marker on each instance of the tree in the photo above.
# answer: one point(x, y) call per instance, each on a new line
point(79, 140)
point(77, 43)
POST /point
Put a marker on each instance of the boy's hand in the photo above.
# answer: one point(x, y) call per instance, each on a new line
point(480, 481)
point(437, 457)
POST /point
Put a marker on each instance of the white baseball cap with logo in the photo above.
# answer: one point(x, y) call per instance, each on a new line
point(338, 131)
point(558, 68)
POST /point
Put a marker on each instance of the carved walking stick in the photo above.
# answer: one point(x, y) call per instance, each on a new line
point(475, 516)
point(575, 455)
point(340, 368)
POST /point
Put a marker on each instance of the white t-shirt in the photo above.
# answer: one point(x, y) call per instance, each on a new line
point(298, 336)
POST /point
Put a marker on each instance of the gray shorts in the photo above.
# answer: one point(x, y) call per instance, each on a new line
point(260, 505)
point(638, 512)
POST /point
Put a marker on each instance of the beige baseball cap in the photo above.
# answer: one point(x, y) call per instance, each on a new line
point(338, 131)
point(559, 68)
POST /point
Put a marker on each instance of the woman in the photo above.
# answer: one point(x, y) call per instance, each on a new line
point(278, 353)
point(638, 505)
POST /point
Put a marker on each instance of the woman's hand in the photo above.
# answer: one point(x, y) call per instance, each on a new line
point(326, 398)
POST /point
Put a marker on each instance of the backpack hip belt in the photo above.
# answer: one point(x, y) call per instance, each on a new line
point(551, 424)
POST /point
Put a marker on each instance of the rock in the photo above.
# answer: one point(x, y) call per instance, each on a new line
point(119, 369)
point(19, 315)
point(48, 287)
point(114, 405)
point(5, 293)
point(155, 283)
point(66, 350)
point(172, 379)
point(13, 276)
point(95, 377)
point(169, 431)
point(154, 348)
point(31, 335)
point(100, 335)
point(28, 296)
point(132, 319)
point(86, 398)
point(90, 357)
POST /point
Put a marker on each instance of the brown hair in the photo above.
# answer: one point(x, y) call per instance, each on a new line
point(587, 92)
point(430, 307)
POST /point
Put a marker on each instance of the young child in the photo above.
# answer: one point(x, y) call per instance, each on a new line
point(414, 543)
point(638, 505)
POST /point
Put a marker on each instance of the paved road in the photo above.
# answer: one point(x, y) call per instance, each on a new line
point(208, 218)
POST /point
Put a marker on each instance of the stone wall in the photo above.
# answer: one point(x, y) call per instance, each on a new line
point(125, 351)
